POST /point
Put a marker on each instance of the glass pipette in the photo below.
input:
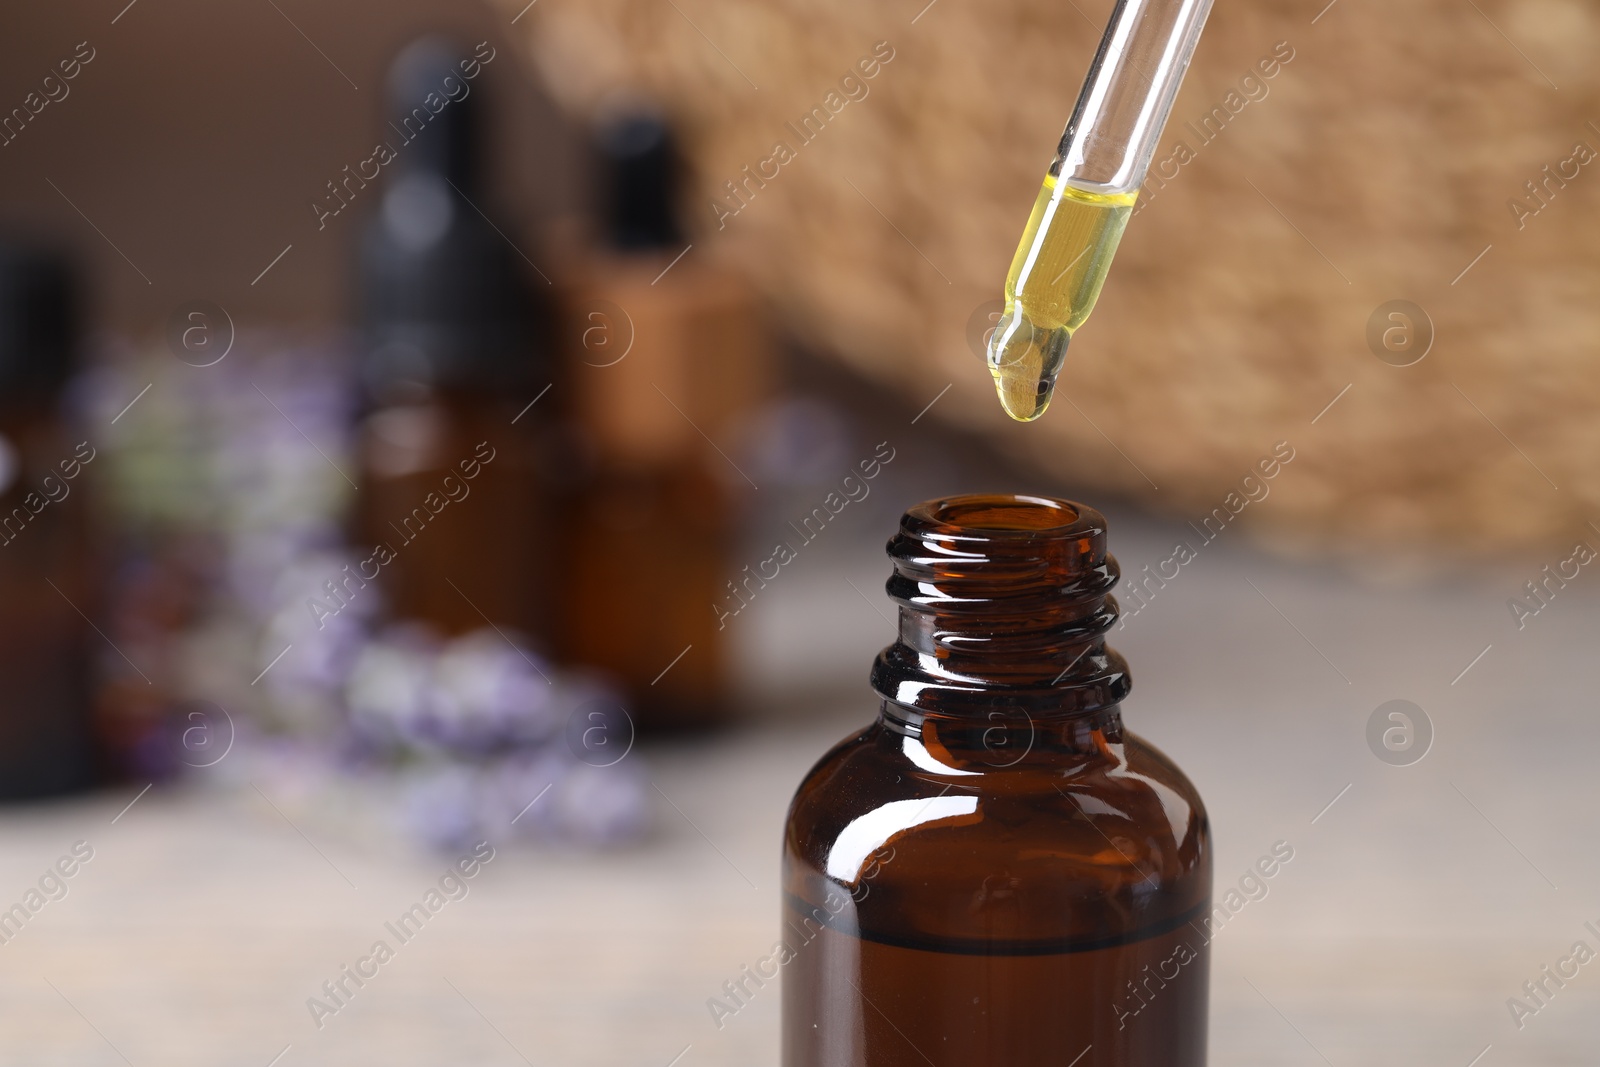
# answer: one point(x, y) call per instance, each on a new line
point(1088, 194)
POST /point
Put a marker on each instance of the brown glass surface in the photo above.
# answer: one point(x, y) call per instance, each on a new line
point(672, 526)
point(662, 363)
point(459, 564)
point(995, 872)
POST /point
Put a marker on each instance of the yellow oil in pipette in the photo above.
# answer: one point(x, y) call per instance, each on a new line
point(1054, 280)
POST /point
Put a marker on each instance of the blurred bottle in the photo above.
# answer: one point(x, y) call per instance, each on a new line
point(668, 353)
point(452, 499)
point(46, 558)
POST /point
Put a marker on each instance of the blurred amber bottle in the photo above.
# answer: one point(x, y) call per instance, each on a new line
point(997, 873)
point(667, 353)
point(452, 495)
point(47, 566)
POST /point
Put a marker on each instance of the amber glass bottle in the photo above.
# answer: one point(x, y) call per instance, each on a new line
point(995, 873)
point(453, 496)
point(668, 355)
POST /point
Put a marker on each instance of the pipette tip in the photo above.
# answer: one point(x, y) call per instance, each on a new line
point(1025, 359)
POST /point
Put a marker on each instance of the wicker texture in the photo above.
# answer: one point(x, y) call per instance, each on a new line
point(1378, 163)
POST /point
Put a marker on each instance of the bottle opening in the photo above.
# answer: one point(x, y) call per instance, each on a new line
point(999, 514)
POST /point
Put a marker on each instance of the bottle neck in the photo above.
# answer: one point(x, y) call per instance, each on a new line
point(1004, 604)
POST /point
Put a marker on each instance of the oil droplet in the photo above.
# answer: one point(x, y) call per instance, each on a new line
point(1025, 360)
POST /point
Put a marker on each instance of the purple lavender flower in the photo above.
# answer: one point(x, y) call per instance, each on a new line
point(490, 693)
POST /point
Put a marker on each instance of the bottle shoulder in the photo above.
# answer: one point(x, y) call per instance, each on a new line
point(1064, 844)
point(878, 765)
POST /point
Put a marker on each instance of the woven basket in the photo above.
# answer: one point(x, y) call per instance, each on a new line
point(1376, 164)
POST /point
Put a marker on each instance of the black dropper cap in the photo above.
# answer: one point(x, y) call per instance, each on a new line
point(641, 172)
point(38, 322)
point(444, 301)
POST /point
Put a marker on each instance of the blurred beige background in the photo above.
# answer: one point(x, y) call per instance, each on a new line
point(1376, 165)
